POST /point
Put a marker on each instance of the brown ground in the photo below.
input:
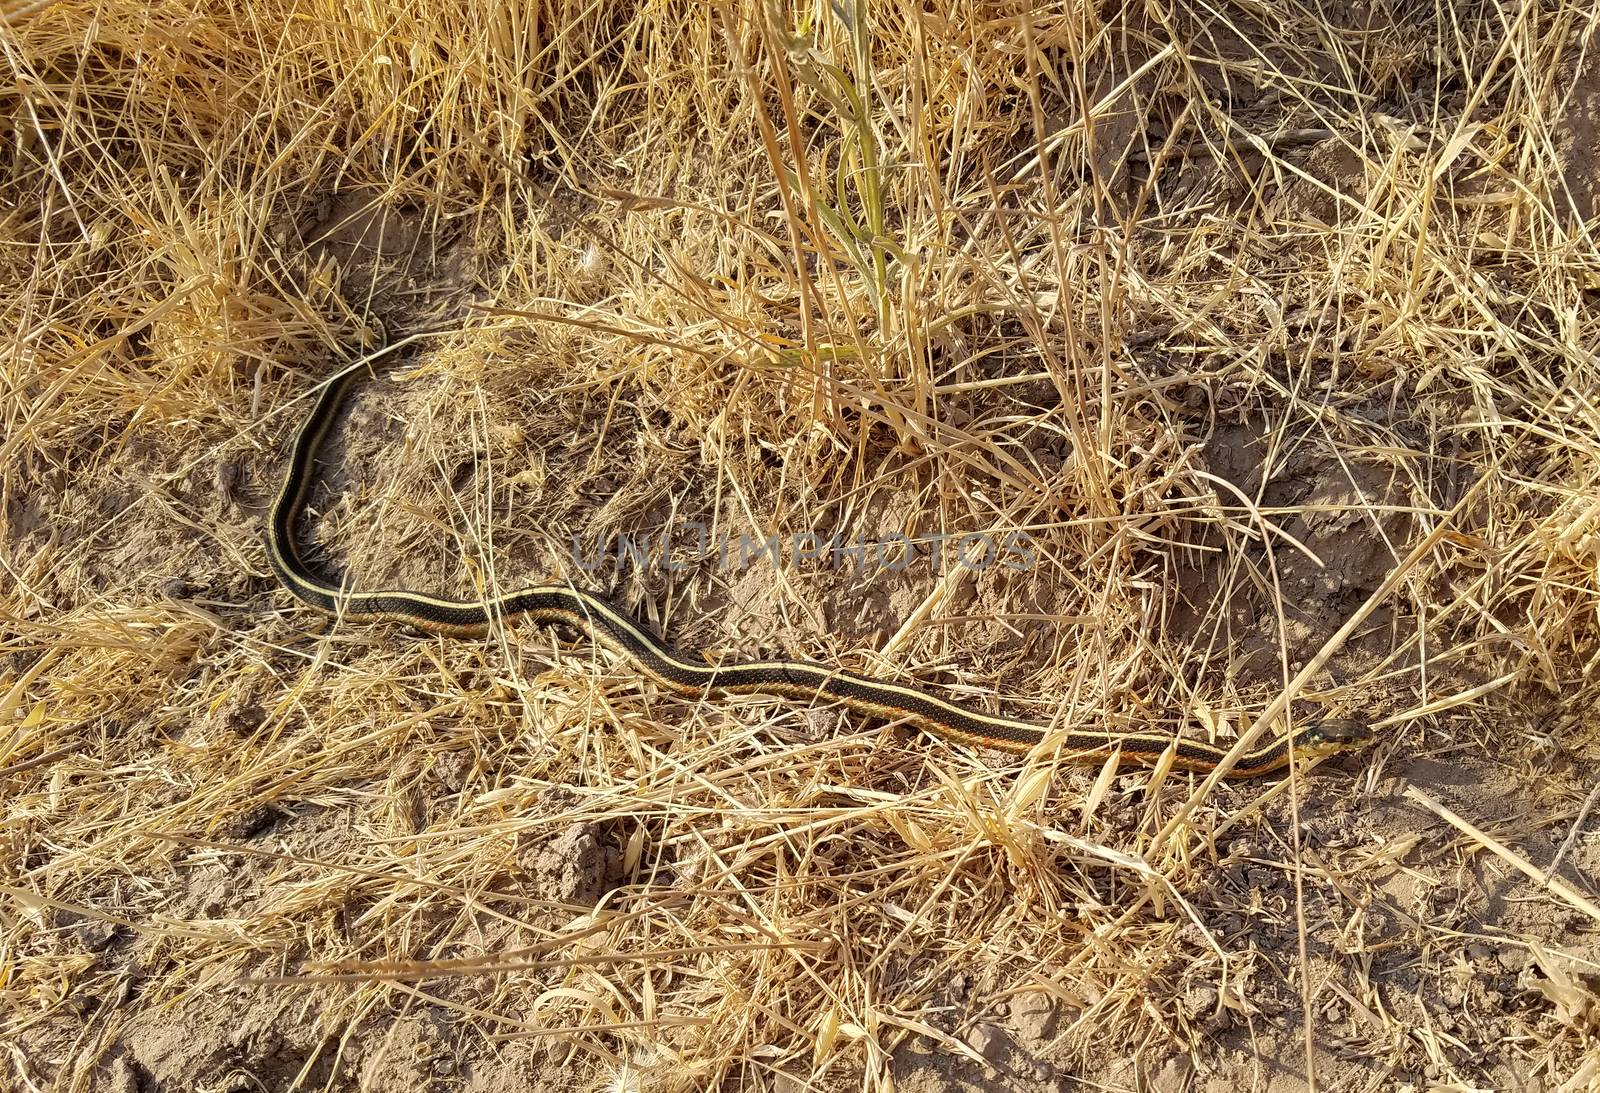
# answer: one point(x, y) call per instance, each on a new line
point(1312, 288)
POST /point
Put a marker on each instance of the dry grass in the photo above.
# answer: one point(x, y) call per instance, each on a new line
point(1274, 331)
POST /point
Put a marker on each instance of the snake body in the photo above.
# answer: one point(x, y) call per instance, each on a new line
point(609, 625)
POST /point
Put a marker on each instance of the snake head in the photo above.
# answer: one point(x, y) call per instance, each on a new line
point(1332, 737)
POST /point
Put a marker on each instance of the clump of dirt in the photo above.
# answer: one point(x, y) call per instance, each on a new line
point(577, 866)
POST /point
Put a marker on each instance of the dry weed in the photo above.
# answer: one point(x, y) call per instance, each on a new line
point(1273, 330)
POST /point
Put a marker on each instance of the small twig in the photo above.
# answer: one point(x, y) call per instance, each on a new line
point(1577, 829)
point(41, 760)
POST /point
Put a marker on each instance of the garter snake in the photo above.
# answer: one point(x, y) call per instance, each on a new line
point(610, 626)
